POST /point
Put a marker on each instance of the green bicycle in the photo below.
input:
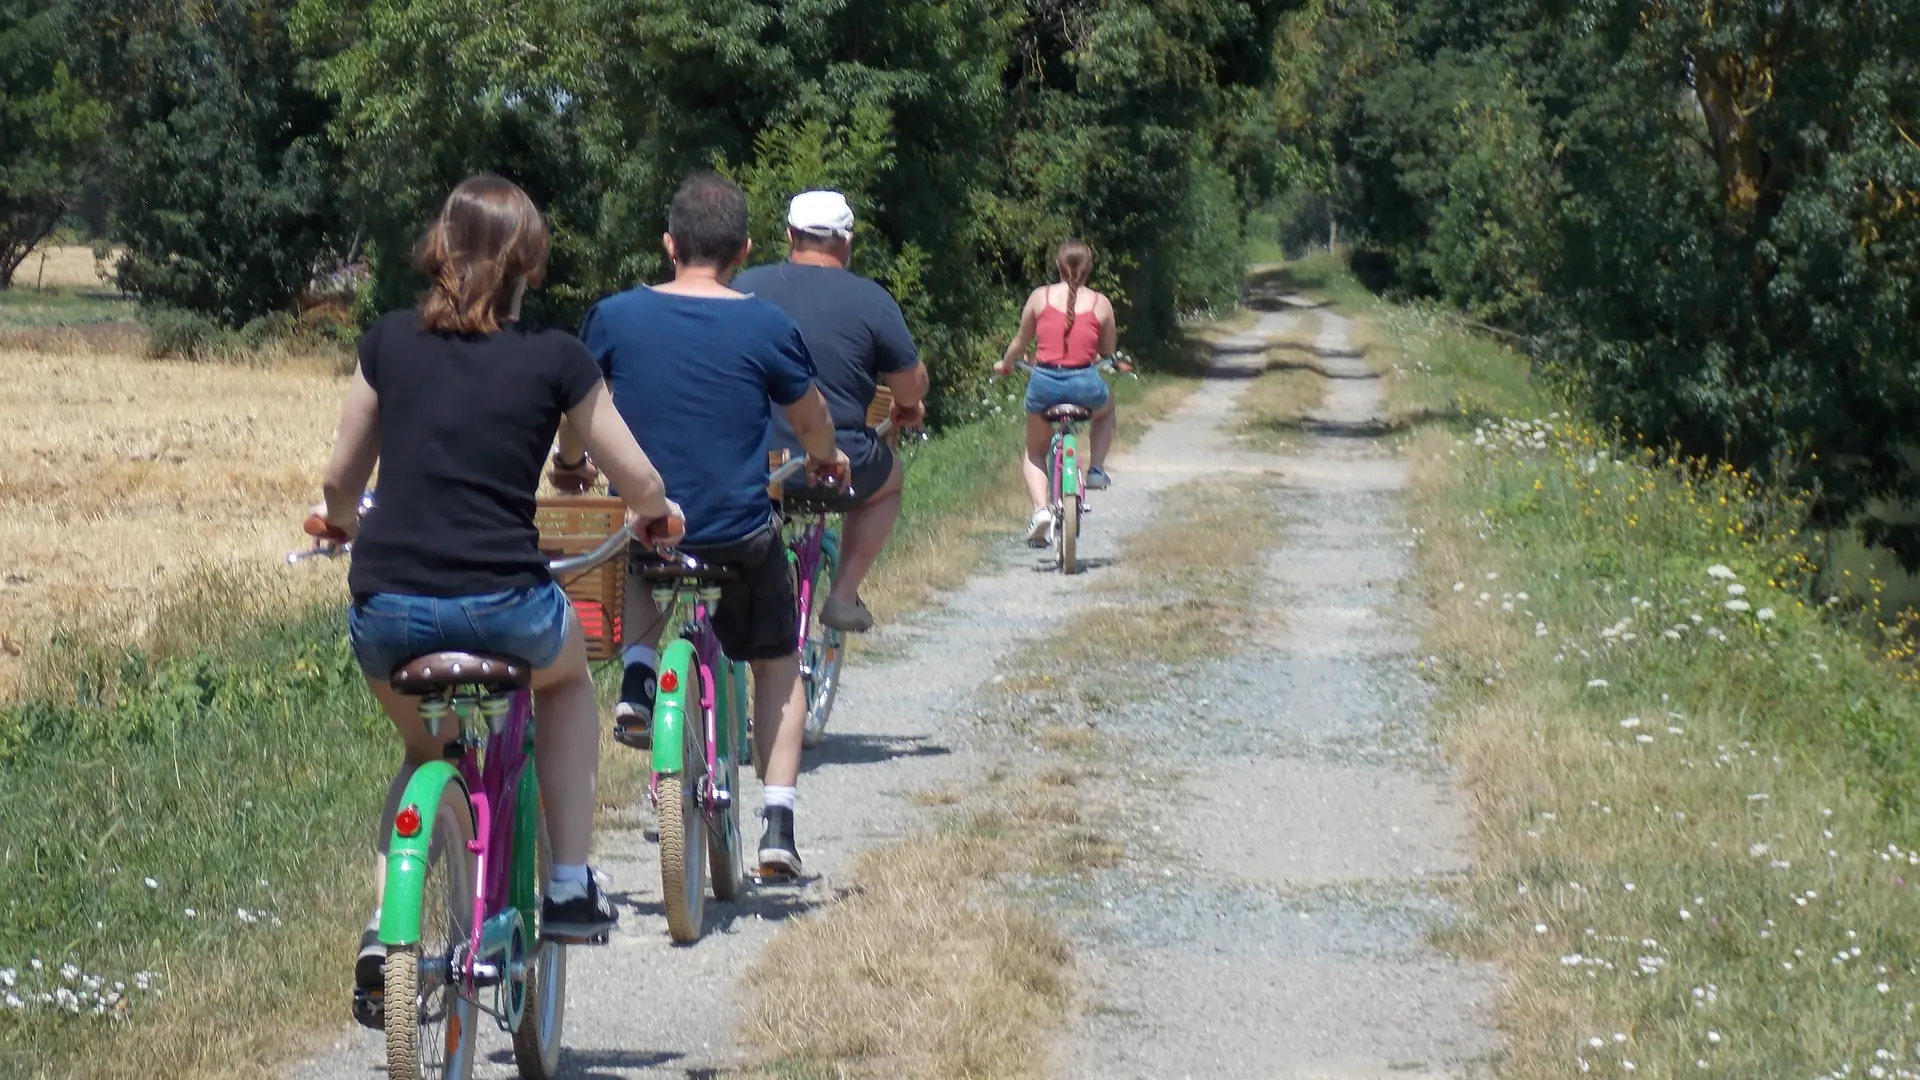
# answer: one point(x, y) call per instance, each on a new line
point(1066, 481)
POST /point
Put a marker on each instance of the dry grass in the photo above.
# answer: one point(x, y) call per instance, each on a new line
point(120, 478)
point(62, 266)
point(921, 971)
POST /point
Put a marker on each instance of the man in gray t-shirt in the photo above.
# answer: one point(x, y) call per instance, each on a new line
point(858, 340)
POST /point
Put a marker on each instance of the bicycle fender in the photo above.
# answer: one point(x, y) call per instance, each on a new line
point(407, 855)
point(1069, 467)
point(672, 708)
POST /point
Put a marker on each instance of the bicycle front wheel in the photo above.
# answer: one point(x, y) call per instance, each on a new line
point(683, 842)
point(429, 1021)
point(820, 661)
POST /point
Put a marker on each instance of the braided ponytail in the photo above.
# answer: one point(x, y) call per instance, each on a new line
point(1074, 259)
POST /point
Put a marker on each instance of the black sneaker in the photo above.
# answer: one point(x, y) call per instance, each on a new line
point(579, 916)
point(779, 855)
point(633, 716)
point(370, 981)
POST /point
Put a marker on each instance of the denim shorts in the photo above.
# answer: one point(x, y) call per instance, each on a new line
point(1048, 387)
point(389, 629)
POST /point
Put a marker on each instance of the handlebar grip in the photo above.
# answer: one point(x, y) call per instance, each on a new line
point(318, 528)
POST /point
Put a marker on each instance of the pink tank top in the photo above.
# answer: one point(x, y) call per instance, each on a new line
point(1055, 346)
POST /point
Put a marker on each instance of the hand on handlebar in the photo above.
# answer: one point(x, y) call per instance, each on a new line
point(909, 418)
point(572, 481)
point(661, 533)
point(321, 528)
point(835, 471)
point(1002, 369)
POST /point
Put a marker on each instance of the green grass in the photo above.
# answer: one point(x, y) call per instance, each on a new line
point(1684, 810)
point(25, 309)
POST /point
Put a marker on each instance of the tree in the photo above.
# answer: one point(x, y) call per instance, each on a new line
point(223, 180)
point(51, 126)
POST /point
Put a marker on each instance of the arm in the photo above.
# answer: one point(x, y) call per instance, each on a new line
point(570, 470)
point(1023, 337)
point(909, 389)
point(1109, 330)
point(813, 423)
point(356, 447)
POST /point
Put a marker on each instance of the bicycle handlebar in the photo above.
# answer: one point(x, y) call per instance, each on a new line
point(580, 564)
point(792, 468)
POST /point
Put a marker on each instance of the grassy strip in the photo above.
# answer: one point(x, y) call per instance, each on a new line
point(237, 774)
point(932, 966)
point(1691, 783)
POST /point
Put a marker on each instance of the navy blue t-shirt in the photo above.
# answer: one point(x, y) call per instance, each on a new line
point(853, 329)
point(697, 379)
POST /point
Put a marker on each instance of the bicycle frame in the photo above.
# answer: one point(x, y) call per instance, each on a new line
point(1065, 481)
point(809, 546)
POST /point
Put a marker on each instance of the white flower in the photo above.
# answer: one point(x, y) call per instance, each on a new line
point(1459, 586)
point(150, 883)
point(1757, 850)
point(1765, 614)
point(190, 913)
point(1738, 605)
point(1724, 573)
point(1643, 739)
point(1713, 1036)
point(1540, 928)
point(1631, 721)
point(1736, 590)
point(1596, 684)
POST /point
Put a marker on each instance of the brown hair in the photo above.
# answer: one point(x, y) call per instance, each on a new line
point(487, 239)
point(1074, 259)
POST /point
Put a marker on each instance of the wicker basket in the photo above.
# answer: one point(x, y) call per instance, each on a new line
point(575, 525)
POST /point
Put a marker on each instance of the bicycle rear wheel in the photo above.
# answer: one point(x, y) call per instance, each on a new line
point(1070, 535)
point(429, 1022)
point(536, 1042)
point(820, 661)
point(683, 842)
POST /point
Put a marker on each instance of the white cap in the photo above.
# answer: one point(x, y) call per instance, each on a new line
point(821, 213)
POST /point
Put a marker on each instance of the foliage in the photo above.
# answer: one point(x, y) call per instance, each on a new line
point(222, 179)
point(51, 126)
point(1707, 216)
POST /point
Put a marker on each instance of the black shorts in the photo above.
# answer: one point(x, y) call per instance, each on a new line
point(756, 619)
point(872, 462)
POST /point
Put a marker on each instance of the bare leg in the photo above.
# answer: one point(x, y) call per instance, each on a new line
point(863, 533)
point(1100, 439)
point(566, 747)
point(777, 693)
point(1034, 466)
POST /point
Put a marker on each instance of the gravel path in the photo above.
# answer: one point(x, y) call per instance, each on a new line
point(1275, 923)
point(1293, 947)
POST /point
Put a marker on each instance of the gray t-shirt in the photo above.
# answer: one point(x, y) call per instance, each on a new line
point(853, 330)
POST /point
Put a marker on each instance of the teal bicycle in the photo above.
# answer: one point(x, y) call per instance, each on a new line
point(466, 863)
point(1066, 481)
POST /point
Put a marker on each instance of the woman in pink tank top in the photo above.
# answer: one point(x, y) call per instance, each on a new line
point(1070, 327)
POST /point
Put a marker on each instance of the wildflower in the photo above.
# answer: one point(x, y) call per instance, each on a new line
point(1459, 586)
point(1757, 850)
point(1736, 590)
point(1596, 684)
point(1724, 573)
point(1765, 614)
point(1738, 605)
point(1631, 721)
point(1539, 928)
point(150, 883)
point(1713, 1037)
point(1643, 739)
point(190, 913)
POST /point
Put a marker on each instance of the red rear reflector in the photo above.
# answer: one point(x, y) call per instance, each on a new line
point(669, 682)
point(407, 822)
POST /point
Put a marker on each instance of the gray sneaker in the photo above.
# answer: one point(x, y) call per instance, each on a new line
point(1097, 480)
point(851, 618)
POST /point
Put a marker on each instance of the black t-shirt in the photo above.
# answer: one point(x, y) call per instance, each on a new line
point(852, 327)
point(465, 425)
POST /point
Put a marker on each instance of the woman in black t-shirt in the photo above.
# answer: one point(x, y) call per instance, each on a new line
point(458, 402)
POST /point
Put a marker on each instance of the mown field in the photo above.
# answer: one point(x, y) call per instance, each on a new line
point(1693, 775)
point(188, 757)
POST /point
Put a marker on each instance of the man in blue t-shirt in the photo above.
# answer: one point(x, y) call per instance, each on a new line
point(696, 370)
point(858, 339)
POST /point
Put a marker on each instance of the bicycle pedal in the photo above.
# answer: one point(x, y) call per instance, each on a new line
point(600, 938)
point(635, 738)
point(370, 1008)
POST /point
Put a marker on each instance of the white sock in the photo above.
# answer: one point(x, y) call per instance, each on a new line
point(568, 881)
point(782, 797)
point(639, 654)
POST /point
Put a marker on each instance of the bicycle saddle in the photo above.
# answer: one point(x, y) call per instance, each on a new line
point(1067, 413)
point(441, 671)
point(652, 568)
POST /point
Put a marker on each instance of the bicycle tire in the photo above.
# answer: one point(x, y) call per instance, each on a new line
point(1070, 536)
point(683, 845)
point(422, 1043)
point(820, 661)
point(726, 850)
point(536, 1042)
